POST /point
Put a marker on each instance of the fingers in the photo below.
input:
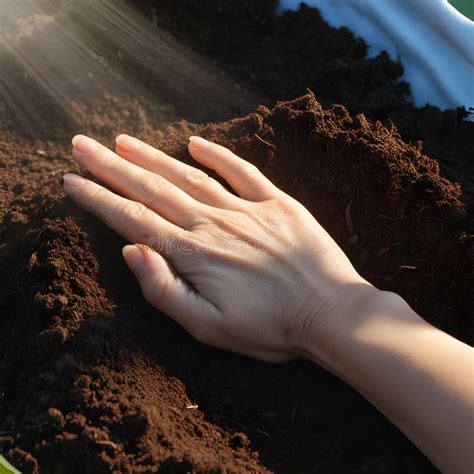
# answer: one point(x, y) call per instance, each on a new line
point(194, 182)
point(132, 220)
point(244, 177)
point(170, 294)
point(136, 183)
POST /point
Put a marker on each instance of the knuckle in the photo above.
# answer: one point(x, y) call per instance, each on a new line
point(96, 206)
point(250, 170)
point(147, 185)
point(142, 186)
point(133, 211)
point(195, 217)
point(156, 156)
point(196, 180)
point(110, 159)
point(160, 185)
point(195, 177)
point(282, 205)
point(95, 192)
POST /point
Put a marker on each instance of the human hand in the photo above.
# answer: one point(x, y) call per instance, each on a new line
point(253, 273)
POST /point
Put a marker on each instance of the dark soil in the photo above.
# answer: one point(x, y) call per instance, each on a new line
point(92, 379)
point(279, 57)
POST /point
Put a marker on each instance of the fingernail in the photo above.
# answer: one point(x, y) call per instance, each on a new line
point(84, 144)
point(127, 143)
point(133, 256)
point(199, 142)
point(73, 180)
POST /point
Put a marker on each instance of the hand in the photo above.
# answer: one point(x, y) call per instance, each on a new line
point(257, 274)
point(253, 273)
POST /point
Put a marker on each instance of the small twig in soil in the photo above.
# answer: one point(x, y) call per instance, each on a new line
point(385, 249)
point(353, 239)
point(192, 407)
point(263, 432)
point(350, 227)
point(22, 295)
point(293, 413)
point(392, 127)
point(407, 267)
point(264, 141)
point(33, 260)
point(107, 443)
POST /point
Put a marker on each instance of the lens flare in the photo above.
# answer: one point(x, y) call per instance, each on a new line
point(55, 52)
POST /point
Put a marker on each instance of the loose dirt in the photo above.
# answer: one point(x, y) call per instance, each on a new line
point(93, 379)
point(278, 57)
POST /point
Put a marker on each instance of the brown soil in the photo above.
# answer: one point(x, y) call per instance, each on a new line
point(279, 57)
point(92, 379)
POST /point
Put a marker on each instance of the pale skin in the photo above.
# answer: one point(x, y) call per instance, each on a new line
point(255, 273)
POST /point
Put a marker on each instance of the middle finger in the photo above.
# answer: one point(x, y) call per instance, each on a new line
point(191, 180)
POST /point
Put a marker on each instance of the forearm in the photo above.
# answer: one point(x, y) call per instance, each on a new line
point(416, 375)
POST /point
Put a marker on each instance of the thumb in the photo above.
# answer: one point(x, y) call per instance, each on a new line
point(169, 293)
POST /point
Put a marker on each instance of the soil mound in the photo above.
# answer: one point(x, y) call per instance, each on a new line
point(278, 57)
point(92, 379)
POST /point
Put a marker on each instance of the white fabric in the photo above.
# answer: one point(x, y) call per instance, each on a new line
point(432, 40)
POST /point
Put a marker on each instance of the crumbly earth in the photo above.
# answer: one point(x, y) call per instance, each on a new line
point(278, 57)
point(93, 379)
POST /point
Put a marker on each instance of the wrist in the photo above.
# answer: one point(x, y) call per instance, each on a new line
point(416, 375)
point(360, 311)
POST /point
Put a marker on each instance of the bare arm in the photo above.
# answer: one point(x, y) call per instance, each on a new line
point(416, 375)
point(255, 273)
